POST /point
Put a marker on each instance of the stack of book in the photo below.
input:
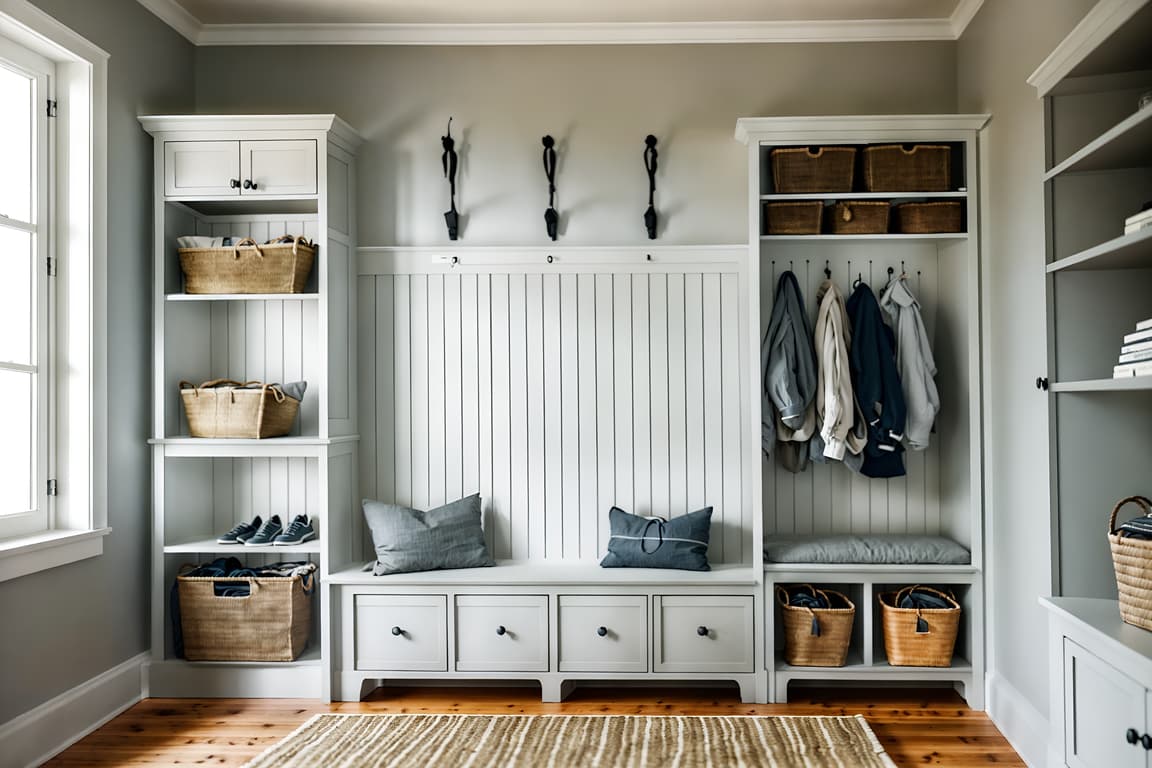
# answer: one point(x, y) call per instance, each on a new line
point(1136, 354)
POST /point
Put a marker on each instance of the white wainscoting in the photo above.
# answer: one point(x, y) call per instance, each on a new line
point(558, 388)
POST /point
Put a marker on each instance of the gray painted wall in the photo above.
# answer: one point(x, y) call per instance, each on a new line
point(597, 101)
point(994, 61)
point(66, 625)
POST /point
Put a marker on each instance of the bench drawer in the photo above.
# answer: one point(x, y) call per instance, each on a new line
point(401, 632)
point(703, 633)
point(502, 633)
point(603, 633)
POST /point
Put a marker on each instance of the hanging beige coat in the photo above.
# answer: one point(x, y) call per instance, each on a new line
point(836, 409)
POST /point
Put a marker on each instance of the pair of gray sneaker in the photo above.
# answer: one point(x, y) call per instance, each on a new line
point(262, 533)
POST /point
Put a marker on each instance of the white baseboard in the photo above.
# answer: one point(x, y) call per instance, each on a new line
point(1020, 722)
point(40, 733)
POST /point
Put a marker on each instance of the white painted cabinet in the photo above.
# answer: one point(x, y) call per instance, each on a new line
point(256, 168)
point(502, 633)
point(400, 632)
point(202, 487)
point(603, 633)
point(698, 633)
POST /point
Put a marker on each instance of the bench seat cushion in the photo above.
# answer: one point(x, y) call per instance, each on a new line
point(886, 549)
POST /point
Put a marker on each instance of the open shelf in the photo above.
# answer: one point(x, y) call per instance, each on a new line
point(856, 668)
point(309, 658)
point(239, 447)
point(209, 546)
point(1128, 383)
point(1132, 251)
point(242, 297)
point(890, 236)
point(868, 196)
point(1127, 144)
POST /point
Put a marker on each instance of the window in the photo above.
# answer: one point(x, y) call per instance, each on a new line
point(26, 441)
point(53, 330)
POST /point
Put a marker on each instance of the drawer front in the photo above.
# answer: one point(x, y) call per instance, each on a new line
point(703, 633)
point(502, 633)
point(603, 633)
point(279, 167)
point(1101, 703)
point(401, 632)
point(201, 168)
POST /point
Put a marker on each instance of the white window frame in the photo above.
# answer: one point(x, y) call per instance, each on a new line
point(78, 215)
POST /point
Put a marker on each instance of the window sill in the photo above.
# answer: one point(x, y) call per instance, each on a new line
point(29, 554)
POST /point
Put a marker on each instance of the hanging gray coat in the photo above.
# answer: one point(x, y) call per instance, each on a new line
point(788, 361)
point(914, 362)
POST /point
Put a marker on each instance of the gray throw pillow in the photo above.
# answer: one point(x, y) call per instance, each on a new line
point(650, 542)
point(410, 540)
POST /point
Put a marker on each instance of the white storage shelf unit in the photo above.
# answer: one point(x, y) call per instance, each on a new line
point(941, 493)
point(259, 177)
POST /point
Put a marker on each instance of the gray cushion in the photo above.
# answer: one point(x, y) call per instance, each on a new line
point(650, 542)
point(410, 540)
point(888, 549)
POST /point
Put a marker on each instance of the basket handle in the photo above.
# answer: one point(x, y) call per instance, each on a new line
point(276, 392)
point(246, 241)
point(213, 383)
point(819, 151)
point(908, 149)
point(1141, 501)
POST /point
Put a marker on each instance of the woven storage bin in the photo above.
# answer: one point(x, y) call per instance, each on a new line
point(248, 268)
point(812, 169)
point(220, 408)
point(830, 647)
point(860, 218)
point(905, 646)
point(271, 624)
point(930, 218)
point(793, 218)
point(1132, 560)
point(915, 168)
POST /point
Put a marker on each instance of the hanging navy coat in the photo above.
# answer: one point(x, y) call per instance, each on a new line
point(876, 384)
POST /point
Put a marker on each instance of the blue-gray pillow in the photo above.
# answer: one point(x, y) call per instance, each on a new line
point(651, 542)
point(409, 540)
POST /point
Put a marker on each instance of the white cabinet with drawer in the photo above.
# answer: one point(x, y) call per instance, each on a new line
point(603, 633)
point(502, 633)
point(703, 633)
point(262, 168)
point(400, 632)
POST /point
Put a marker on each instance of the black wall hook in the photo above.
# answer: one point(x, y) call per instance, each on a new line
point(450, 160)
point(650, 155)
point(827, 271)
point(551, 218)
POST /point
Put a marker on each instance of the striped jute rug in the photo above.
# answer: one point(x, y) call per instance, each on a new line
point(583, 741)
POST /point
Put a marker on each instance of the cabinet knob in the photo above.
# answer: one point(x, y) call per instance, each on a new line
point(500, 630)
point(1042, 383)
point(1131, 736)
point(602, 631)
point(249, 184)
point(1146, 742)
point(702, 631)
point(234, 183)
point(397, 632)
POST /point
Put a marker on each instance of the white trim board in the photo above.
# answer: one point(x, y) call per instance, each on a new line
point(1018, 720)
point(40, 733)
point(587, 33)
point(1098, 25)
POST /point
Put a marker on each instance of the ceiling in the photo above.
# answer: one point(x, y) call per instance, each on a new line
point(228, 22)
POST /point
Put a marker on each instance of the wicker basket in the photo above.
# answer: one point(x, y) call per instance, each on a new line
point(812, 169)
point(930, 218)
point(931, 646)
point(226, 408)
point(860, 218)
point(271, 624)
point(793, 218)
point(817, 637)
point(1132, 560)
point(248, 268)
point(915, 168)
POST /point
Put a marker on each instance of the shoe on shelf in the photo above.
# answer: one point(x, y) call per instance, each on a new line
point(241, 532)
point(269, 531)
point(299, 531)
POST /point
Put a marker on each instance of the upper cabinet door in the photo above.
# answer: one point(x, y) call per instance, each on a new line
point(278, 168)
point(202, 168)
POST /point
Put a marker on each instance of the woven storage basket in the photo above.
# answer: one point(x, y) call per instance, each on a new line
point(271, 624)
point(915, 168)
point(905, 646)
point(829, 648)
point(930, 218)
point(793, 218)
point(221, 408)
point(1132, 560)
point(812, 169)
point(248, 268)
point(860, 218)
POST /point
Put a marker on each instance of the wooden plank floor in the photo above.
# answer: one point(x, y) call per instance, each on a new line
point(916, 727)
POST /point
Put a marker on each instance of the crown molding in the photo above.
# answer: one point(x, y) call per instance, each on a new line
point(1105, 18)
point(962, 16)
point(627, 33)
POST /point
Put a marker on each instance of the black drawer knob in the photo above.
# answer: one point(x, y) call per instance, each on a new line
point(1146, 742)
point(1131, 736)
point(702, 631)
point(249, 184)
point(234, 183)
point(500, 630)
point(397, 632)
point(602, 631)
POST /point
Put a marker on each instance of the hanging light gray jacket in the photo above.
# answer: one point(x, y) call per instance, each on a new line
point(788, 362)
point(914, 362)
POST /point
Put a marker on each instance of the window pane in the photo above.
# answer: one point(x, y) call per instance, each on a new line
point(16, 291)
point(16, 448)
point(16, 145)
